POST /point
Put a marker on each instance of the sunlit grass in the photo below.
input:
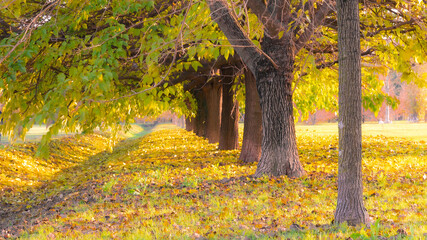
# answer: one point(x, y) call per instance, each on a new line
point(400, 129)
point(173, 184)
point(37, 131)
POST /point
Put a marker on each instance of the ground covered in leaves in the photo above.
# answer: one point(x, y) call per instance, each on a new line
point(173, 184)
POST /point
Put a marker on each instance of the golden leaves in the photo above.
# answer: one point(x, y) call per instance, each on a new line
point(173, 184)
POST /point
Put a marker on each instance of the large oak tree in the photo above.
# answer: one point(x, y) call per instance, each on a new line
point(273, 68)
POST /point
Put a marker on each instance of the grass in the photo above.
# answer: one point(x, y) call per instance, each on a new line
point(400, 129)
point(172, 184)
point(33, 135)
point(37, 131)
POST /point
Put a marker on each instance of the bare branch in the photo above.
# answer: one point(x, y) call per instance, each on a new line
point(332, 63)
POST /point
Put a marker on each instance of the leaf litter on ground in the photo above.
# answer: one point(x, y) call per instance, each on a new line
point(173, 184)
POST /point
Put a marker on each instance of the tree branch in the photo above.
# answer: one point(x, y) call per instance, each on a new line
point(229, 25)
point(332, 63)
point(30, 27)
point(271, 24)
point(371, 34)
point(321, 12)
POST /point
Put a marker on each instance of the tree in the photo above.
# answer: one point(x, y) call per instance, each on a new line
point(252, 134)
point(213, 91)
point(273, 68)
point(75, 64)
point(217, 109)
point(350, 206)
point(412, 102)
point(229, 131)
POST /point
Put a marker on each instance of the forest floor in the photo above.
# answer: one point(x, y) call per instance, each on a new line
point(171, 184)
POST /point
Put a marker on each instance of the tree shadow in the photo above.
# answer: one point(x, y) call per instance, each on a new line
point(87, 182)
point(70, 185)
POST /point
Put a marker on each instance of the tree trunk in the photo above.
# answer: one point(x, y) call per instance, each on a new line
point(189, 121)
point(213, 92)
point(201, 115)
point(279, 149)
point(350, 206)
point(252, 132)
point(229, 133)
point(189, 124)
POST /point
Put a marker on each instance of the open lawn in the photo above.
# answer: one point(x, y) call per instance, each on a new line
point(34, 134)
point(401, 129)
point(37, 131)
point(171, 184)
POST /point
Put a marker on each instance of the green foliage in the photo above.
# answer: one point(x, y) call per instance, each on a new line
point(95, 65)
point(314, 89)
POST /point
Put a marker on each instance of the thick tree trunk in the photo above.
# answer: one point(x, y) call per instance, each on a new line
point(279, 149)
point(273, 70)
point(252, 132)
point(229, 133)
point(350, 206)
point(213, 92)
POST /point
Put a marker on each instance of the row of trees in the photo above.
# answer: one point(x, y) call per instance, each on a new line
point(78, 66)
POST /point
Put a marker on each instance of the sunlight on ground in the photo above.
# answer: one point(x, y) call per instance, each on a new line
point(37, 131)
point(414, 131)
point(172, 184)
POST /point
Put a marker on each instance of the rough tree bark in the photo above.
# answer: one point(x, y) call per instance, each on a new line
point(213, 93)
point(229, 132)
point(252, 133)
point(279, 154)
point(350, 206)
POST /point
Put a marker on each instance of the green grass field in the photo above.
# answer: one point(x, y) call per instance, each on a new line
point(171, 184)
